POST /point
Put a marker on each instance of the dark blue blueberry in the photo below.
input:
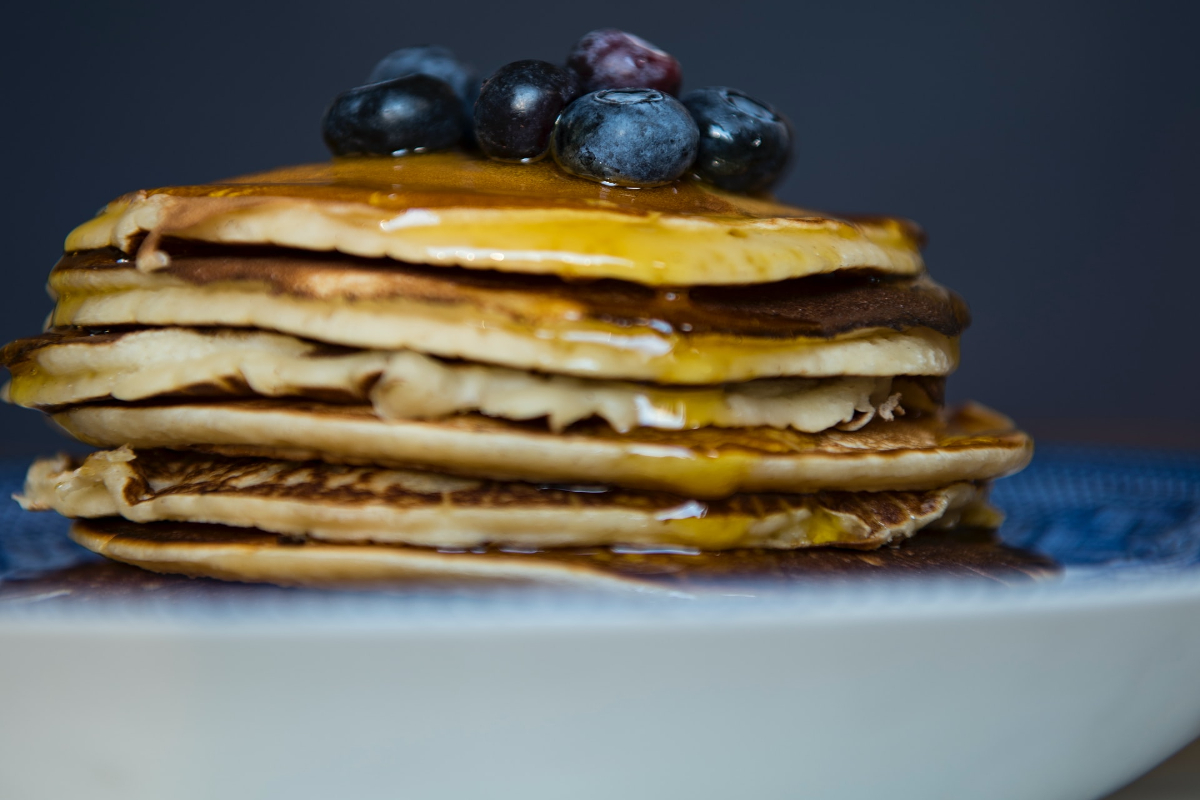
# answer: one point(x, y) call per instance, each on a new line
point(517, 106)
point(627, 137)
point(613, 59)
point(744, 143)
point(433, 60)
point(413, 113)
point(436, 62)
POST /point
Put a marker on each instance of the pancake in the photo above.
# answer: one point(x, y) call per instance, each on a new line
point(439, 367)
point(912, 453)
point(75, 366)
point(459, 209)
point(814, 327)
point(360, 504)
point(822, 306)
point(250, 555)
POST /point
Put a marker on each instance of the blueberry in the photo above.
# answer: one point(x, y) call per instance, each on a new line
point(413, 113)
point(436, 62)
point(517, 107)
point(613, 59)
point(744, 143)
point(432, 60)
point(628, 137)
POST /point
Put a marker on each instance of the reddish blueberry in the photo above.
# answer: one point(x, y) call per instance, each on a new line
point(613, 59)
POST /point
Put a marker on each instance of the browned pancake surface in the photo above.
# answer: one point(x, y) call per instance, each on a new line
point(816, 306)
point(971, 554)
point(164, 472)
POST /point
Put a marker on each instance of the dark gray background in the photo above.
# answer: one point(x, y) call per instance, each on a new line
point(1051, 149)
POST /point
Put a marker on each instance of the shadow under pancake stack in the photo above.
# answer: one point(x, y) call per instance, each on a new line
point(398, 366)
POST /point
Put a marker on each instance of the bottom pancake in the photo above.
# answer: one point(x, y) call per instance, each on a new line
point(370, 504)
point(253, 556)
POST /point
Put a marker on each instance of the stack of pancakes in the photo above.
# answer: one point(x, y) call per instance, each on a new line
point(438, 365)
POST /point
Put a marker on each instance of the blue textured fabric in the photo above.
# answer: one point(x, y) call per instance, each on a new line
point(1083, 506)
point(1088, 506)
point(31, 542)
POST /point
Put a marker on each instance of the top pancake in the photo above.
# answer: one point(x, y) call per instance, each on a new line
point(458, 209)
